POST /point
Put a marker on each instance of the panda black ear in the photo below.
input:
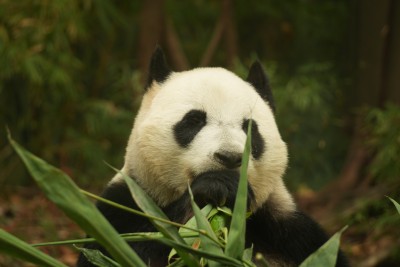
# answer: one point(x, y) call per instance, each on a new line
point(259, 80)
point(159, 69)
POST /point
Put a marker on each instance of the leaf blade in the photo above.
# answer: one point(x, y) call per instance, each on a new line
point(97, 258)
point(148, 205)
point(395, 203)
point(327, 254)
point(236, 236)
point(207, 244)
point(60, 189)
point(228, 261)
point(15, 247)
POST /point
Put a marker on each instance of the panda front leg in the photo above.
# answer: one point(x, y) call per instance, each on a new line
point(284, 235)
point(153, 253)
point(286, 239)
point(216, 188)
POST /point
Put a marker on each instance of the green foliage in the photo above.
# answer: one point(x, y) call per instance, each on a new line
point(17, 248)
point(60, 80)
point(372, 214)
point(98, 258)
point(309, 121)
point(396, 204)
point(210, 242)
point(66, 91)
point(375, 216)
point(236, 237)
point(309, 104)
point(327, 254)
point(60, 189)
point(149, 207)
point(293, 32)
point(384, 140)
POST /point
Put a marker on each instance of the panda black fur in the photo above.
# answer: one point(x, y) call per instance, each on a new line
point(191, 126)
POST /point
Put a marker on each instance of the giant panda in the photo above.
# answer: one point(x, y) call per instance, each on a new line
point(191, 128)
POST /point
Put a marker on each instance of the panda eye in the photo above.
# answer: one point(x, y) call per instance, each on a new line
point(257, 141)
point(195, 118)
point(189, 126)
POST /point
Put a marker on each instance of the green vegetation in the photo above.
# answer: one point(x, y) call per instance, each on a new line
point(71, 85)
point(212, 250)
point(384, 138)
point(72, 74)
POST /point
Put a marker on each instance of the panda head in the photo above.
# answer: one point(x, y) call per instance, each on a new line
point(192, 127)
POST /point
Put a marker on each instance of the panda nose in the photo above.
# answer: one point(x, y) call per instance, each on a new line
point(229, 159)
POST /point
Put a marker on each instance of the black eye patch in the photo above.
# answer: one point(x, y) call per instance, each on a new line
point(189, 126)
point(257, 141)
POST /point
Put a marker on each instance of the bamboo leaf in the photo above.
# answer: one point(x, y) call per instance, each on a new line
point(396, 204)
point(208, 243)
point(17, 248)
point(60, 189)
point(130, 237)
point(148, 205)
point(137, 212)
point(326, 255)
point(236, 236)
point(224, 260)
point(188, 235)
point(191, 223)
point(248, 254)
point(97, 258)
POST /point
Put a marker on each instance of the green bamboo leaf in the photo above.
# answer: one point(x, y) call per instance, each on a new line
point(236, 236)
point(248, 254)
point(130, 237)
point(97, 258)
point(177, 263)
point(137, 212)
point(326, 255)
point(188, 235)
point(396, 204)
point(60, 189)
point(208, 243)
point(17, 248)
point(148, 205)
point(191, 223)
point(224, 260)
point(219, 222)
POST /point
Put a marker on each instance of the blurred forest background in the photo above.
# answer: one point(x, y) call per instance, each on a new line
point(72, 72)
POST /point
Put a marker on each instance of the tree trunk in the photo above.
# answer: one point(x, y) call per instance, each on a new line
point(231, 44)
point(213, 44)
point(377, 83)
point(372, 29)
point(391, 70)
point(225, 29)
point(178, 58)
point(372, 38)
point(151, 26)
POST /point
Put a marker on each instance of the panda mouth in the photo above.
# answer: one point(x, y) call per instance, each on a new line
point(217, 188)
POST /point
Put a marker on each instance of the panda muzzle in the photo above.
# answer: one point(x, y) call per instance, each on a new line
point(218, 188)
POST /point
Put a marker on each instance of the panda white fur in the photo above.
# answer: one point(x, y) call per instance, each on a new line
point(191, 127)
